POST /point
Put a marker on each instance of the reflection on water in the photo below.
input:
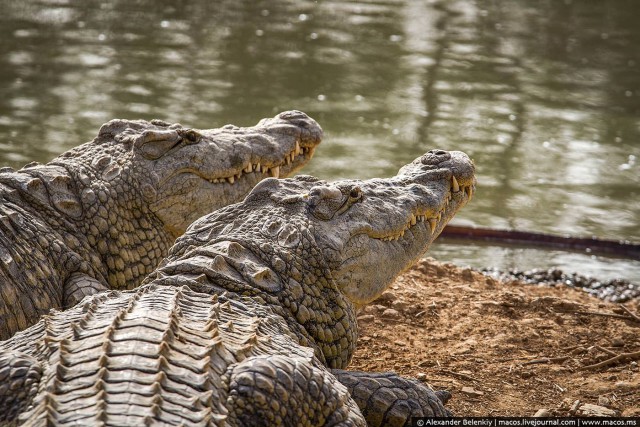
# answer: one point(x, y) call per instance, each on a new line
point(545, 96)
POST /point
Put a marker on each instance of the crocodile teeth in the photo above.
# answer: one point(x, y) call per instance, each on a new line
point(439, 217)
point(413, 219)
point(470, 191)
point(264, 169)
point(230, 179)
point(454, 184)
point(257, 167)
point(433, 222)
point(297, 149)
point(275, 172)
point(248, 168)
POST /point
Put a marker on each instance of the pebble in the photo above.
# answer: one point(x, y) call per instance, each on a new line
point(399, 305)
point(614, 290)
point(589, 410)
point(542, 413)
point(367, 318)
point(467, 274)
point(470, 391)
point(421, 376)
point(390, 313)
point(574, 407)
point(373, 309)
point(386, 297)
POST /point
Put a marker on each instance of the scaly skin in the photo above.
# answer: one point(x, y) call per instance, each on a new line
point(104, 214)
point(249, 317)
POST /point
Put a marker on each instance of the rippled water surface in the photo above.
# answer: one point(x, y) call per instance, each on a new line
point(544, 95)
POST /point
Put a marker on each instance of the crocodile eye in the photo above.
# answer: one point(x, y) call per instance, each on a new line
point(192, 136)
point(355, 194)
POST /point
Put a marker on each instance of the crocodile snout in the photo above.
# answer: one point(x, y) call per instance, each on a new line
point(311, 130)
point(435, 157)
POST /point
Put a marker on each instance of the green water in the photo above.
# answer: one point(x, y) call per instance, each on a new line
point(544, 95)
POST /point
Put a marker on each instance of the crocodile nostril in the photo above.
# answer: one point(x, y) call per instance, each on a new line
point(435, 157)
point(437, 152)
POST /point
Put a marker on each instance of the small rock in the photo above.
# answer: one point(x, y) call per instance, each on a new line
point(467, 274)
point(421, 376)
point(364, 339)
point(399, 305)
point(369, 309)
point(616, 342)
point(576, 351)
point(400, 343)
point(374, 309)
point(390, 313)
point(574, 407)
point(470, 391)
point(589, 410)
point(386, 297)
point(367, 318)
point(565, 404)
point(603, 400)
point(542, 413)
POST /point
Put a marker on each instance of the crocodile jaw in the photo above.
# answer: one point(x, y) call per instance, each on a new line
point(204, 177)
point(396, 222)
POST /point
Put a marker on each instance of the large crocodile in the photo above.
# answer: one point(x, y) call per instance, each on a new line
point(251, 317)
point(104, 214)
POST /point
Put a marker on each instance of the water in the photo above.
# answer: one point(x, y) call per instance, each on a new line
point(544, 95)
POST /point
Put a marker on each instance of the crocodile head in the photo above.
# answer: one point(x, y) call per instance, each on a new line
point(319, 249)
point(213, 168)
point(184, 173)
point(370, 231)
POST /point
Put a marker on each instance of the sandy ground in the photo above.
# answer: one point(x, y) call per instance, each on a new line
point(504, 348)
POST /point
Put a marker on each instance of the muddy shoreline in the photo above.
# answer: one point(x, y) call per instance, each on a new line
point(505, 347)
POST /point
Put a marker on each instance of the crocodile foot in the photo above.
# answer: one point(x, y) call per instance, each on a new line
point(387, 399)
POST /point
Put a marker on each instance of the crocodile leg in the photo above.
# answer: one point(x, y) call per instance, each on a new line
point(387, 399)
point(278, 390)
point(78, 286)
point(19, 378)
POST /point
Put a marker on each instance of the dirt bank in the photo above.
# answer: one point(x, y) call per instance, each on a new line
point(504, 348)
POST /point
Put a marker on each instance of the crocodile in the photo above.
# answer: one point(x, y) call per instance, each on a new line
point(104, 214)
point(251, 318)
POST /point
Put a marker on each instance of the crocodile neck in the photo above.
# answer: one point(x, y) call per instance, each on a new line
point(104, 224)
point(293, 287)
